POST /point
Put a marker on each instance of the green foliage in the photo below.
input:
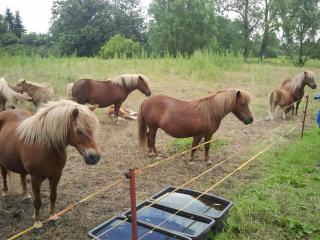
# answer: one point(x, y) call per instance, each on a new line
point(8, 38)
point(181, 26)
point(18, 27)
point(119, 46)
point(300, 28)
point(283, 202)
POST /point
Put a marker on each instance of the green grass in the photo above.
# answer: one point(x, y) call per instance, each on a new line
point(182, 144)
point(282, 201)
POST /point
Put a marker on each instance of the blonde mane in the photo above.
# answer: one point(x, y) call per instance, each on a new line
point(129, 80)
point(216, 105)
point(7, 92)
point(50, 125)
point(297, 81)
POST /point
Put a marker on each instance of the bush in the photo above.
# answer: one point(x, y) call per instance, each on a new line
point(119, 46)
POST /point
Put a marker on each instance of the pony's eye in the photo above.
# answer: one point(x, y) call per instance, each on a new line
point(79, 131)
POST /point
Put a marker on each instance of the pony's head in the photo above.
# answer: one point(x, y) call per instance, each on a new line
point(60, 124)
point(241, 109)
point(309, 79)
point(21, 86)
point(81, 136)
point(143, 85)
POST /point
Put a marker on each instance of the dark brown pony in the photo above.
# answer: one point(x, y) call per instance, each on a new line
point(114, 91)
point(36, 145)
point(291, 91)
point(198, 118)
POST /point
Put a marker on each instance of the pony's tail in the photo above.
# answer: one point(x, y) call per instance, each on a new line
point(142, 129)
point(272, 98)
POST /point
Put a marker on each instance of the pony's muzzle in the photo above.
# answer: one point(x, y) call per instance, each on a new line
point(248, 120)
point(148, 93)
point(314, 86)
point(91, 157)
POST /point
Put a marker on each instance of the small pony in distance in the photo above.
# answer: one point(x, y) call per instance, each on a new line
point(198, 118)
point(113, 91)
point(9, 94)
point(36, 145)
point(291, 91)
point(39, 92)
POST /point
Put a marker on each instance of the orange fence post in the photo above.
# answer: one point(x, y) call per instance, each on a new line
point(133, 202)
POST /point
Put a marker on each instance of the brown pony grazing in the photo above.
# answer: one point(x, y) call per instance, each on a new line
point(291, 91)
point(39, 92)
point(113, 91)
point(36, 145)
point(9, 94)
point(199, 118)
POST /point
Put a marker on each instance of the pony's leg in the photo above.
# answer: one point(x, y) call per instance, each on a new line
point(53, 182)
point(195, 142)
point(25, 194)
point(297, 106)
point(36, 184)
point(116, 111)
point(4, 173)
point(152, 141)
point(206, 149)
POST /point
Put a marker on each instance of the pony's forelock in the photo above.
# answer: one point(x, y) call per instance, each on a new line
point(50, 125)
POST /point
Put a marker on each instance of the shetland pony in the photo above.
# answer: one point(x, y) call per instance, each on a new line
point(36, 145)
point(291, 90)
point(8, 94)
point(39, 92)
point(113, 91)
point(199, 118)
point(123, 113)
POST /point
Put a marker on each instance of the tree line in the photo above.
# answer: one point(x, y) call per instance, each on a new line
point(109, 28)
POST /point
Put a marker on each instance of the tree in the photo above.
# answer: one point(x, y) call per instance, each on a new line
point(299, 22)
point(249, 14)
point(128, 19)
point(81, 27)
point(9, 18)
point(181, 26)
point(18, 28)
point(3, 25)
point(119, 46)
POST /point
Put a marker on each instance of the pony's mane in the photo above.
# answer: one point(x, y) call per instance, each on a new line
point(298, 79)
point(49, 126)
point(129, 80)
point(5, 89)
point(217, 104)
point(30, 83)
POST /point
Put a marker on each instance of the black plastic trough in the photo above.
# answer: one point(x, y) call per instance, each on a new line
point(185, 223)
point(122, 231)
point(207, 205)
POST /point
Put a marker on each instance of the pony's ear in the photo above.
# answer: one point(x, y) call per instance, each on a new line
point(305, 73)
point(92, 108)
point(238, 94)
point(75, 113)
point(140, 77)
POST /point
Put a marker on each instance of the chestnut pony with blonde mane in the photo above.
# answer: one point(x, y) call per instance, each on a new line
point(114, 91)
point(291, 91)
point(36, 145)
point(198, 118)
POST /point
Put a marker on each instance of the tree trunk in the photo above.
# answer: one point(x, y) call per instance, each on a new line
point(265, 38)
point(246, 31)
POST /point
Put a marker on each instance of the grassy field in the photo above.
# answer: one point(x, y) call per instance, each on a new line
point(276, 197)
point(281, 200)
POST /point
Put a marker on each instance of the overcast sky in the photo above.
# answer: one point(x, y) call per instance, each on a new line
point(35, 14)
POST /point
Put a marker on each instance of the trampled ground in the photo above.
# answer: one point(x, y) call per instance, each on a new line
point(120, 146)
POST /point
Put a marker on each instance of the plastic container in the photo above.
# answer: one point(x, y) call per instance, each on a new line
point(122, 231)
point(208, 205)
point(184, 223)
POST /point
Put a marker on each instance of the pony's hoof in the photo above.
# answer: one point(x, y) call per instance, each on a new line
point(27, 198)
point(38, 225)
point(209, 162)
point(5, 194)
point(190, 162)
point(53, 218)
point(151, 154)
point(158, 158)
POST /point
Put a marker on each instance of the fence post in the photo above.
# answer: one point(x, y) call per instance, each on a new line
point(133, 203)
point(304, 115)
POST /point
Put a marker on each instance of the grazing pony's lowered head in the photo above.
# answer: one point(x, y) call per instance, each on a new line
point(304, 78)
point(21, 85)
point(63, 123)
point(241, 110)
point(134, 81)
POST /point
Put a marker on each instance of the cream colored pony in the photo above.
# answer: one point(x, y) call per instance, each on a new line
point(290, 92)
point(7, 94)
point(40, 93)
